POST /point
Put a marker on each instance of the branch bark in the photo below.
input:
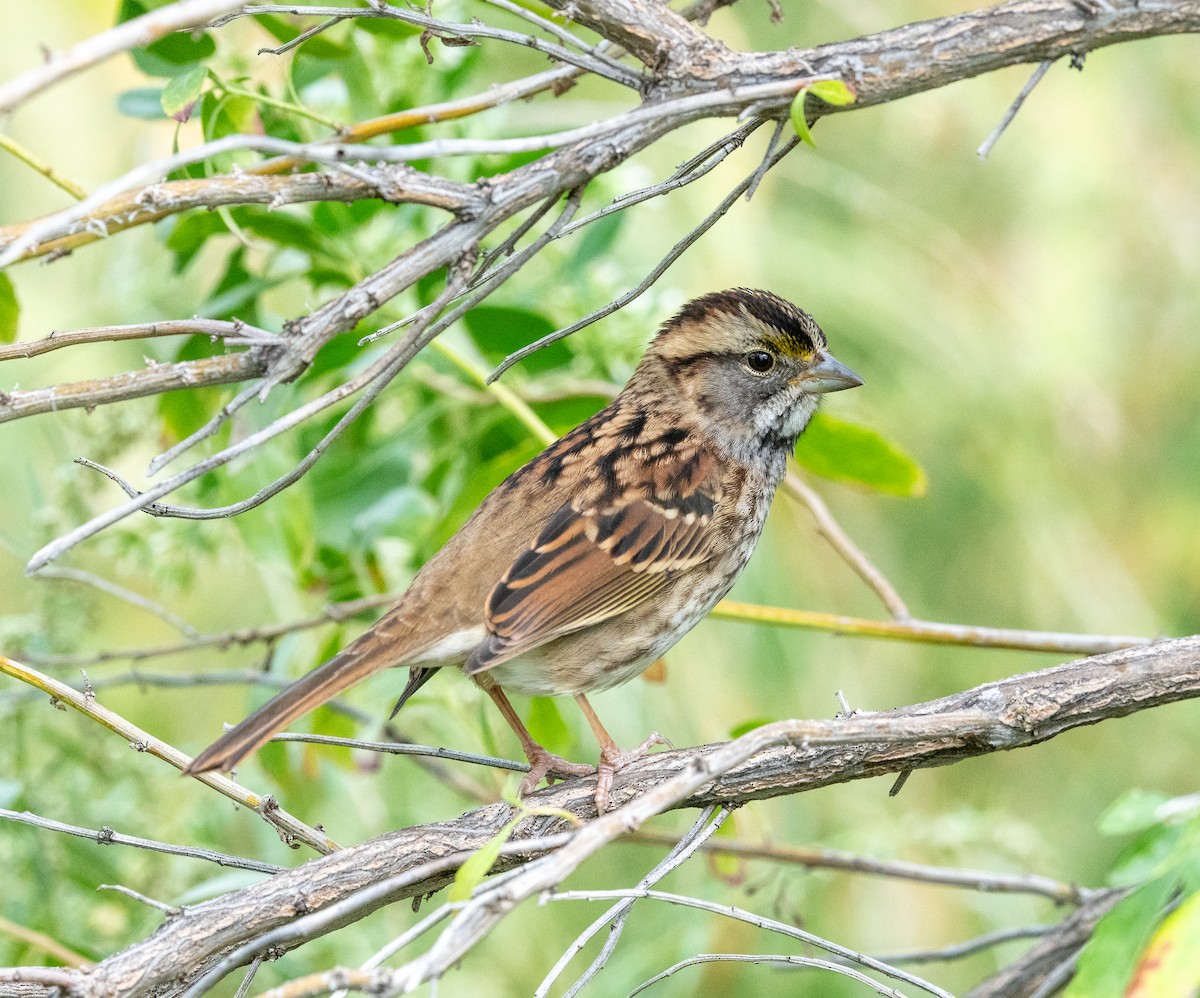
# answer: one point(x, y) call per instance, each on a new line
point(1017, 712)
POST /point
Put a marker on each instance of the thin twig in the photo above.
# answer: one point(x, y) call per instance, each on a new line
point(1033, 81)
point(661, 268)
point(930, 632)
point(761, 922)
point(154, 379)
point(219, 419)
point(215, 328)
point(697, 167)
point(783, 959)
point(1058, 891)
point(39, 940)
point(170, 910)
point(106, 837)
point(251, 971)
point(334, 613)
point(702, 830)
point(125, 595)
point(291, 830)
point(970, 947)
point(567, 38)
point(12, 146)
point(840, 541)
point(406, 748)
point(602, 66)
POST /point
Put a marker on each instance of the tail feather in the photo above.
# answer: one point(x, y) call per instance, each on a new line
point(308, 693)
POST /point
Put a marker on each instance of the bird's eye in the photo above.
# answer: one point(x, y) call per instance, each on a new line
point(760, 362)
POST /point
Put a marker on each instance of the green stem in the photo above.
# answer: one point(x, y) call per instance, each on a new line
point(10, 145)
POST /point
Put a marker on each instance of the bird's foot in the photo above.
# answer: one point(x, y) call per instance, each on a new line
point(545, 765)
point(613, 759)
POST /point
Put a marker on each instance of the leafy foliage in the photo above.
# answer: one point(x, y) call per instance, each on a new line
point(1148, 944)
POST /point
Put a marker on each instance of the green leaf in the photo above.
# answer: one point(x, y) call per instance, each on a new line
point(546, 724)
point(833, 92)
point(180, 95)
point(849, 452)
point(1153, 852)
point(470, 875)
point(1169, 966)
point(141, 102)
point(1107, 960)
point(747, 726)
point(498, 331)
point(1133, 812)
point(188, 235)
point(565, 414)
point(170, 54)
point(9, 310)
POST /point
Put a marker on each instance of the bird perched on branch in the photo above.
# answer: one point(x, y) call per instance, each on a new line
point(583, 567)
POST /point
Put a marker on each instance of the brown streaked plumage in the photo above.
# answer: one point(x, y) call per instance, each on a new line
point(584, 566)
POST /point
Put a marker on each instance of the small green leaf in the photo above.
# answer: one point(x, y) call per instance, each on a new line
point(180, 95)
point(747, 726)
point(141, 102)
point(849, 452)
point(547, 726)
point(834, 92)
point(9, 310)
point(1133, 812)
point(170, 54)
point(470, 875)
point(1107, 961)
point(499, 330)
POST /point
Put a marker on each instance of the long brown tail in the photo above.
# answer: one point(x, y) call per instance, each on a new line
point(322, 684)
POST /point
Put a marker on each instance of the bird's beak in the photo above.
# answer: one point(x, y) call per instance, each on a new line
point(828, 375)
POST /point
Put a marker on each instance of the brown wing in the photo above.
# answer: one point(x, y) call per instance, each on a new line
point(587, 566)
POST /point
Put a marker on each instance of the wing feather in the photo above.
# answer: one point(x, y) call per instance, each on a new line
point(590, 565)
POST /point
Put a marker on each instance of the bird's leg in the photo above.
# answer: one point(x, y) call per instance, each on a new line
point(543, 764)
point(611, 756)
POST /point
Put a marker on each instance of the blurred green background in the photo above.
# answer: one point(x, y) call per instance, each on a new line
point(1027, 330)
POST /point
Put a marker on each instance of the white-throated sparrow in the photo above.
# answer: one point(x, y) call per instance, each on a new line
point(584, 566)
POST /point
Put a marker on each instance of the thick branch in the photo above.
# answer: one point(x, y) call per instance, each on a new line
point(1018, 711)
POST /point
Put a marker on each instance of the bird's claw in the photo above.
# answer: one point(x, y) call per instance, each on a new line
point(613, 759)
point(544, 765)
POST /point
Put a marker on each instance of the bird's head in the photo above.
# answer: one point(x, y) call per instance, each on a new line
point(752, 365)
